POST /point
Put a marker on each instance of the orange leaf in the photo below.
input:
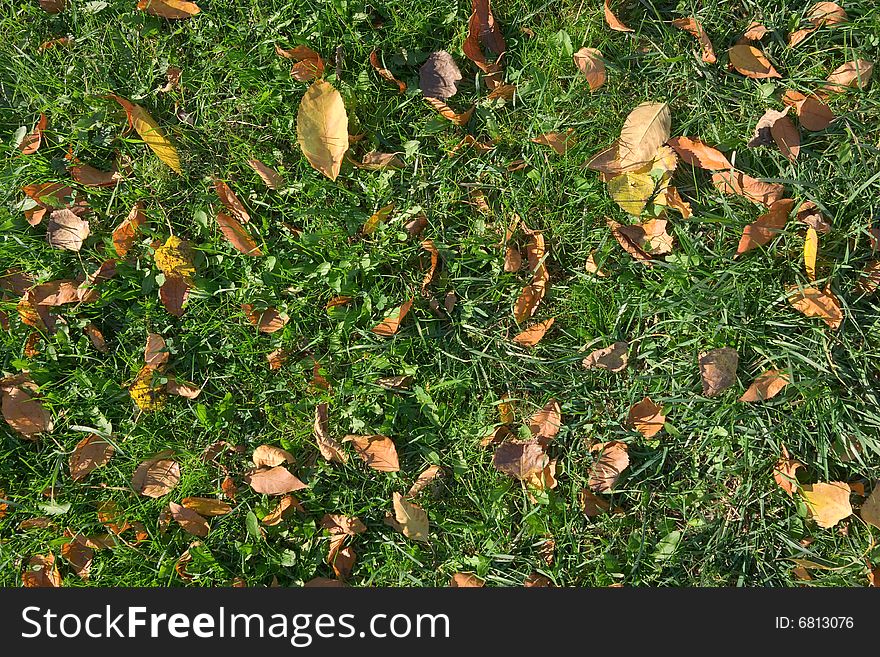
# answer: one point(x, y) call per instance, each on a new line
point(646, 417)
point(533, 335)
point(390, 325)
point(699, 154)
point(765, 227)
point(751, 62)
point(613, 22)
point(376, 451)
point(613, 460)
point(692, 26)
point(589, 61)
point(271, 177)
point(766, 386)
point(230, 200)
point(172, 9)
point(738, 183)
point(558, 141)
point(240, 239)
point(267, 321)
point(31, 143)
point(384, 73)
point(813, 302)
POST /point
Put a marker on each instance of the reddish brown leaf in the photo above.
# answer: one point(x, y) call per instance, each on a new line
point(738, 183)
point(612, 461)
point(89, 176)
point(271, 177)
point(308, 66)
point(534, 334)
point(96, 337)
point(41, 572)
point(376, 451)
point(79, 556)
point(448, 113)
point(814, 115)
point(390, 325)
point(267, 321)
point(91, 452)
point(520, 459)
point(485, 34)
point(328, 446)
point(273, 481)
point(384, 73)
point(31, 143)
point(283, 510)
point(646, 417)
point(692, 26)
point(766, 386)
point(545, 423)
point(558, 141)
point(191, 521)
point(173, 294)
point(699, 154)
point(230, 200)
point(766, 227)
point(240, 239)
point(22, 411)
point(124, 235)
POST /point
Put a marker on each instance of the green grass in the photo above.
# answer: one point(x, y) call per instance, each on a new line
point(701, 506)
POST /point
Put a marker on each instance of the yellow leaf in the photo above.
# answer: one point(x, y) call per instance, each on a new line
point(811, 249)
point(828, 503)
point(631, 191)
point(322, 128)
point(174, 259)
point(381, 215)
point(646, 129)
point(146, 126)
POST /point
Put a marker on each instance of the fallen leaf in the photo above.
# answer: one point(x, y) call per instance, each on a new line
point(544, 424)
point(813, 302)
point(448, 113)
point(376, 161)
point(273, 481)
point(342, 560)
point(428, 245)
point(266, 321)
point(766, 227)
point(96, 337)
point(558, 141)
point(41, 572)
point(146, 126)
point(410, 519)
point(613, 22)
point(520, 459)
point(787, 137)
point(870, 511)
point(718, 370)
point(827, 13)
point(173, 294)
point(92, 177)
point(644, 131)
point(751, 62)
point(146, 391)
point(592, 505)
point(31, 142)
point(36, 523)
point(208, 507)
point(390, 325)
point(308, 66)
point(504, 91)
point(534, 334)
point(852, 74)
point(324, 582)
point(699, 154)
point(763, 135)
point(646, 417)
point(230, 200)
point(237, 236)
point(174, 259)
point(427, 476)
point(339, 524)
point(155, 353)
point(512, 259)
point(613, 358)
point(156, 477)
point(125, 234)
point(172, 77)
point(282, 510)
point(592, 267)
point(439, 76)
point(528, 300)
point(811, 250)
point(814, 115)
point(466, 580)
point(628, 245)
point(22, 411)
point(799, 35)
point(676, 202)
point(270, 456)
point(269, 176)
point(738, 183)
point(79, 556)
point(91, 452)
point(322, 128)
point(650, 236)
point(53, 7)
point(484, 32)
point(755, 32)
point(869, 278)
point(766, 386)
point(330, 449)
point(379, 217)
point(542, 481)
point(632, 191)
point(613, 460)
point(785, 472)
point(191, 521)
point(828, 503)
point(693, 27)
point(376, 451)
point(384, 73)
point(590, 62)
point(66, 230)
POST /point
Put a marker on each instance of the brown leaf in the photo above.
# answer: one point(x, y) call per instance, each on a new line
point(427, 477)
point(785, 472)
point(428, 245)
point(155, 353)
point(738, 183)
point(544, 424)
point(613, 22)
point(699, 154)
point(156, 477)
point(124, 235)
point(36, 523)
point(512, 259)
point(92, 177)
point(692, 26)
point(592, 267)
point(534, 334)
point(870, 511)
point(766, 227)
point(66, 230)
point(324, 582)
point(271, 177)
point(869, 279)
point(787, 137)
point(91, 452)
point(376, 161)
point(384, 73)
point(439, 76)
point(31, 143)
point(171, 9)
point(338, 524)
point(240, 239)
point(558, 141)
point(172, 77)
point(814, 115)
point(285, 507)
point(308, 66)
point(395, 382)
point(208, 507)
point(645, 129)
point(390, 325)
point(628, 244)
point(191, 521)
point(592, 505)
point(650, 236)
point(268, 320)
point(813, 302)
point(41, 572)
point(766, 386)
point(484, 33)
point(173, 294)
point(341, 559)
point(763, 135)
point(273, 481)
point(646, 417)
point(799, 35)
point(718, 370)
point(376, 451)
point(79, 556)
point(53, 6)
point(22, 411)
point(96, 337)
point(676, 202)
point(328, 446)
point(528, 300)
point(230, 200)
point(751, 62)
point(852, 74)
point(613, 460)
point(590, 62)
point(828, 503)
point(410, 519)
point(270, 456)
point(466, 580)
point(520, 459)
point(754, 32)
point(827, 13)
point(448, 113)
point(613, 358)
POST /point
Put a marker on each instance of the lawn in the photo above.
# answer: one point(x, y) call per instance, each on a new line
point(697, 505)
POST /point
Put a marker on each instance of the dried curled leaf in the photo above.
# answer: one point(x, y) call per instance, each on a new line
point(692, 26)
point(124, 235)
point(613, 21)
point(485, 33)
point(384, 73)
point(31, 142)
point(41, 572)
point(308, 66)
point(66, 230)
point(718, 370)
point(439, 76)
point(266, 321)
point(328, 446)
point(322, 128)
point(448, 113)
point(269, 176)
